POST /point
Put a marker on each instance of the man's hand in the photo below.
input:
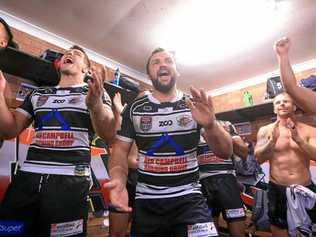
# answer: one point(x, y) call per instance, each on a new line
point(274, 133)
point(225, 125)
point(3, 83)
point(96, 91)
point(282, 46)
point(293, 131)
point(118, 195)
point(117, 102)
point(201, 107)
point(266, 139)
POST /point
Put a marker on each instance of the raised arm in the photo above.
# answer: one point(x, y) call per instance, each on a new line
point(11, 123)
point(215, 135)
point(304, 98)
point(266, 141)
point(101, 114)
point(117, 109)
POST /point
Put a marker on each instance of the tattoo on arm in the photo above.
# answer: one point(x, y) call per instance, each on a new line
point(263, 149)
point(262, 141)
point(262, 138)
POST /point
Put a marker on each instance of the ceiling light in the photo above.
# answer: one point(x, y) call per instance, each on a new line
point(206, 31)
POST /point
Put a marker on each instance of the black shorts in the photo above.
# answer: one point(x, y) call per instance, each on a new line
point(46, 205)
point(278, 205)
point(223, 195)
point(178, 217)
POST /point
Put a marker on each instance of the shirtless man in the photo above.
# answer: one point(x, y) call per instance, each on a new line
point(289, 145)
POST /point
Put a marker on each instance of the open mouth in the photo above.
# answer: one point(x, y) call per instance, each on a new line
point(68, 60)
point(163, 72)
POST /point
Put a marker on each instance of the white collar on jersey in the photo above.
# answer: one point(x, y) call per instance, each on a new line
point(73, 86)
point(176, 98)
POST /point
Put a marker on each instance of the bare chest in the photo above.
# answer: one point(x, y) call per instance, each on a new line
point(285, 142)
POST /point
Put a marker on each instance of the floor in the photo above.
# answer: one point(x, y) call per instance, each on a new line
point(98, 227)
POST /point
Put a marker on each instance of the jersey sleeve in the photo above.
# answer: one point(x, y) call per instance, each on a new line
point(26, 107)
point(127, 131)
point(232, 130)
point(229, 127)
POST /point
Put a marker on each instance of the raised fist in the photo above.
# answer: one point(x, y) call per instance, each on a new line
point(282, 46)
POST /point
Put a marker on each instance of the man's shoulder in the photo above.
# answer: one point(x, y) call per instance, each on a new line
point(139, 100)
point(307, 128)
point(44, 90)
point(266, 127)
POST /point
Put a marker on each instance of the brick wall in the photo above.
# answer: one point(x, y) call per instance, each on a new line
point(228, 101)
point(234, 100)
point(36, 47)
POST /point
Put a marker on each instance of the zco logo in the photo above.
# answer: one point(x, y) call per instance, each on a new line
point(58, 101)
point(165, 123)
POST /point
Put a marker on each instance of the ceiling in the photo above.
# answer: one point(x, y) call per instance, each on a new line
point(126, 31)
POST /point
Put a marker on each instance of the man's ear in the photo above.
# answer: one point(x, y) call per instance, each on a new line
point(294, 107)
point(3, 43)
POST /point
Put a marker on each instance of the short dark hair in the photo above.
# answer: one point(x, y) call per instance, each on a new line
point(86, 58)
point(11, 43)
point(156, 50)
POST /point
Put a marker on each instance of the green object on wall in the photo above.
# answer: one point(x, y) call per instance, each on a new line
point(247, 98)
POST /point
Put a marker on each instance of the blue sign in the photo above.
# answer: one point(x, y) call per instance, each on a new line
point(11, 228)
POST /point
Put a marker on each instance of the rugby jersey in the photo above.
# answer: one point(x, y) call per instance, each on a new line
point(209, 163)
point(63, 128)
point(167, 137)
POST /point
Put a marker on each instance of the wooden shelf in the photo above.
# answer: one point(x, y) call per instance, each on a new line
point(43, 72)
point(21, 64)
point(126, 95)
point(247, 114)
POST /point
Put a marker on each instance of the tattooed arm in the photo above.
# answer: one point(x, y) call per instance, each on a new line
point(266, 140)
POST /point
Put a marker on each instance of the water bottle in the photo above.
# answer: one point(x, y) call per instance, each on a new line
point(117, 75)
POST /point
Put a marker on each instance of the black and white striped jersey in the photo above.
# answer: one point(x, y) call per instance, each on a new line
point(167, 137)
point(63, 128)
point(209, 163)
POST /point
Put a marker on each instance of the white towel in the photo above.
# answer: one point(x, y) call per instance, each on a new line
point(299, 198)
